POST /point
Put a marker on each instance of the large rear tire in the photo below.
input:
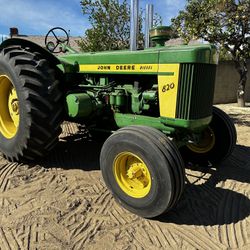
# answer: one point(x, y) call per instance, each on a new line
point(218, 142)
point(30, 104)
point(143, 169)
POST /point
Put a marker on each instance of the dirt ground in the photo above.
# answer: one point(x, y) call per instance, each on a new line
point(62, 202)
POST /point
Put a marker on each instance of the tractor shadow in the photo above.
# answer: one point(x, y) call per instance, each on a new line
point(215, 196)
point(75, 151)
point(240, 119)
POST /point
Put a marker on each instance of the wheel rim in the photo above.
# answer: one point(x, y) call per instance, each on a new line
point(9, 108)
point(132, 175)
point(206, 144)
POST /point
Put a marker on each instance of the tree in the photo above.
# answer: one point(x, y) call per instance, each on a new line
point(222, 22)
point(110, 21)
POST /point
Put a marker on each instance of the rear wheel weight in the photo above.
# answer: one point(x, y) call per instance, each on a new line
point(157, 192)
point(34, 106)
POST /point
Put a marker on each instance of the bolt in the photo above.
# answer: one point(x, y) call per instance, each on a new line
point(15, 107)
point(134, 172)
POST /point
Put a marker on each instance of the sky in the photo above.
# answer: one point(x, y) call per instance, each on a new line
point(36, 17)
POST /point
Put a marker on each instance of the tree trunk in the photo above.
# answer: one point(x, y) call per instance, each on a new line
point(241, 100)
point(242, 70)
point(241, 89)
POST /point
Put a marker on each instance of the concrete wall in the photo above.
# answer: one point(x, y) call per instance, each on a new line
point(226, 84)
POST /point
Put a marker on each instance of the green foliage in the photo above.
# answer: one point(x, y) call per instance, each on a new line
point(225, 55)
point(222, 22)
point(157, 20)
point(110, 25)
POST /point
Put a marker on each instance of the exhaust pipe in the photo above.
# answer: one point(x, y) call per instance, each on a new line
point(149, 23)
point(134, 24)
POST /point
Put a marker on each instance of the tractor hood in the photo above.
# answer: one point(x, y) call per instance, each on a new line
point(99, 61)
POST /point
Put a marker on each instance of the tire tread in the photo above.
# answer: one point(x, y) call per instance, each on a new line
point(43, 101)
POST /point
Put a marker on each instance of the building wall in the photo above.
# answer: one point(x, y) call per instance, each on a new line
point(226, 83)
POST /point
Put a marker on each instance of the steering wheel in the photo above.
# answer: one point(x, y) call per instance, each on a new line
point(54, 38)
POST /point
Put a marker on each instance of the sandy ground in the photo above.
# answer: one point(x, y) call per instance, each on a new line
point(62, 202)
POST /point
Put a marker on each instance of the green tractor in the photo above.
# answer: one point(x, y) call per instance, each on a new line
point(154, 106)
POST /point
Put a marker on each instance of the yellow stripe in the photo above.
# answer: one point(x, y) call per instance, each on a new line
point(143, 68)
point(105, 68)
point(167, 87)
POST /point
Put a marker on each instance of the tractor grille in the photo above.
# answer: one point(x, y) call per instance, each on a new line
point(196, 89)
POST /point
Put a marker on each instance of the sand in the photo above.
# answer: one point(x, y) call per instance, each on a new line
point(61, 202)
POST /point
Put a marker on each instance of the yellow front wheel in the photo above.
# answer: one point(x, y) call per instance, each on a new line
point(9, 108)
point(143, 169)
point(132, 174)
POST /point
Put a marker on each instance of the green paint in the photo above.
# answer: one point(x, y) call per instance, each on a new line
point(164, 55)
point(123, 120)
point(195, 89)
point(136, 98)
point(188, 54)
point(69, 66)
point(117, 98)
point(150, 95)
point(114, 57)
point(79, 105)
point(198, 124)
point(165, 73)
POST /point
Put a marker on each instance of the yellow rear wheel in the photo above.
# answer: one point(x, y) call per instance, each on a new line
point(216, 143)
point(206, 144)
point(132, 174)
point(9, 108)
point(31, 107)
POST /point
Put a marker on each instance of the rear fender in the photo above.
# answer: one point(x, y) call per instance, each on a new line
point(22, 42)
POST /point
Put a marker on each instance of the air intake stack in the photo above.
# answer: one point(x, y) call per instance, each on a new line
point(134, 24)
point(148, 23)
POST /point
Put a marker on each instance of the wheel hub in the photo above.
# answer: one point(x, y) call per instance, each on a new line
point(135, 171)
point(132, 175)
point(205, 144)
point(9, 108)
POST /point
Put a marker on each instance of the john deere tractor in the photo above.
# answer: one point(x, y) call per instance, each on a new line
point(154, 106)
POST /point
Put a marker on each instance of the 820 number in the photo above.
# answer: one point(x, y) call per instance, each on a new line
point(168, 87)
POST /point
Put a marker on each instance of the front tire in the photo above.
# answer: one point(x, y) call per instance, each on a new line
point(143, 169)
point(218, 142)
point(31, 104)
